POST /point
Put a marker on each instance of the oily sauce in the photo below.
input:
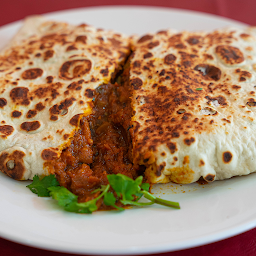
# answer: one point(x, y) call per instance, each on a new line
point(100, 147)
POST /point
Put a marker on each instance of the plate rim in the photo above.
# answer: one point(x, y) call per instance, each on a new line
point(235, 231)
point(142, 7)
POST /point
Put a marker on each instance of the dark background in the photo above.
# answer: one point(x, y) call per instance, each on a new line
point(241, 10)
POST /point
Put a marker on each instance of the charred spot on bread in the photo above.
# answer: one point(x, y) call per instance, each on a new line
point(227, 157)
point(30, 126)
point(74, 69)
point(31, 74)
point(6, 130)
point(229, 54)
point(3, 102)
point(13, 164)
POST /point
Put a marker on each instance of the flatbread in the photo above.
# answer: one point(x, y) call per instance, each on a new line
point(48, 74)
point(195, 105)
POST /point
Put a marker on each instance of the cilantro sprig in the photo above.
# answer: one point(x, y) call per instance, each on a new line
point(124, 190)
point(40, 186)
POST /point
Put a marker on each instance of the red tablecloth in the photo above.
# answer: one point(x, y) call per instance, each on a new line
point(241, 10)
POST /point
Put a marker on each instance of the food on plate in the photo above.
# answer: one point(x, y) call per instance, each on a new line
point(48, 75)
point(195, 105)
point(84, 109)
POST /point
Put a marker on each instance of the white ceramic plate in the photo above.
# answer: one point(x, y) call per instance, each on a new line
point(208, 213)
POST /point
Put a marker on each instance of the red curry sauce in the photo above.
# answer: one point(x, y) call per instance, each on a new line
point(101, 146)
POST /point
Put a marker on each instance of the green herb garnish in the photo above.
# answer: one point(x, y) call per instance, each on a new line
point(199, 89)
point(68, 200)
point(40, 186)
point(126, 190)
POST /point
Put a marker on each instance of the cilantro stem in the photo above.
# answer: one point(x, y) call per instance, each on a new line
point(125, 202)
point(167, 203)
point(97, 198)
point(160, 201)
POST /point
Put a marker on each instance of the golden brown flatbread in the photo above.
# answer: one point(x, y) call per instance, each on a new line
point(195, 104)
point(48, 75)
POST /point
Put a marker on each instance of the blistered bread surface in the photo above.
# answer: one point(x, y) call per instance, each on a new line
point(48, 75)
point(194, 104)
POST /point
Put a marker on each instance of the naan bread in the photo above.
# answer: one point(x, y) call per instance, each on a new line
point(48, 75)
point(195, 105)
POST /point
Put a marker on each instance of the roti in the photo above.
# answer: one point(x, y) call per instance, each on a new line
point(48, 75)
point(194, 105)
point(184, 108)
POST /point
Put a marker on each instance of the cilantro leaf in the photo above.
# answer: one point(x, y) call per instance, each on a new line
point(124, 186)
point(110, 200)
point(87, 207)
point(145, 186)
point(40, 186)
point(68, 200)
point(62, 195)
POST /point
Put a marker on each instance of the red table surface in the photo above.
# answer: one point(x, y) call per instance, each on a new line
point(241, 10)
